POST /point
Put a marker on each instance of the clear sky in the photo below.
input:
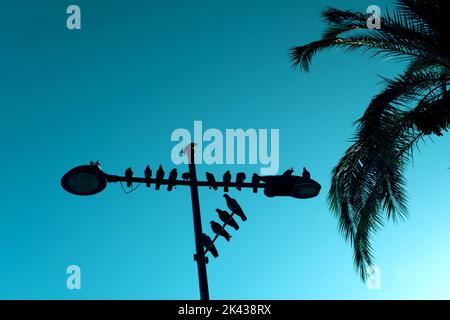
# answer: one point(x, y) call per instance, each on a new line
point(115, 91)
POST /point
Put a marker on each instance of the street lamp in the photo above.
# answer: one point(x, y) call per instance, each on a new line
point(84, 180)
point(90, 179)
point(290, 186)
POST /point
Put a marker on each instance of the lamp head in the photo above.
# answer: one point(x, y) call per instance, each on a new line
point(290, 186)
point(84, 180)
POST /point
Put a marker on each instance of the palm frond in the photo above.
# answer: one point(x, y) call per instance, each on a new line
point(381, 44)
point(429, 11)
point(403, 35)
point(368, 183)
point(398, 23)
point(370, 178)
point(432, 114)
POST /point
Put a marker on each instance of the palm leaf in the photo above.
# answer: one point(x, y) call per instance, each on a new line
point(368, 183)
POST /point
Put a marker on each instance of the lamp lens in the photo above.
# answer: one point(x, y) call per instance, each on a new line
point(304, 191)
point(83, 182)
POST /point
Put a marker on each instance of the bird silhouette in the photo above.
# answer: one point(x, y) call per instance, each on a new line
point(255, 181)
point(288, 172)
point(226, 180)
point(95, 163)
point(235, 208)
point(240, 177)
point(217, 229)
point(227, 218)
point(172, 178)
point(159, 177)
point(209, 245)
point(189, 151)
point(306, 174)
point(211, 180)
point(128, 176)
point(185, 176)
point(148, 175)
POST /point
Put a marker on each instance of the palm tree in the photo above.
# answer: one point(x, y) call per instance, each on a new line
point(368, 183)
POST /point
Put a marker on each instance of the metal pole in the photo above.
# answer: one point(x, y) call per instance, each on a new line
point(199, 256)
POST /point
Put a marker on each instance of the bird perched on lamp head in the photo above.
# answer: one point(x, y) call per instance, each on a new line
point(306, 174)
point(95, 163)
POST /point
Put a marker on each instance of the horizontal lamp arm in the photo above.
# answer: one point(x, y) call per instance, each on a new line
point(114, 178)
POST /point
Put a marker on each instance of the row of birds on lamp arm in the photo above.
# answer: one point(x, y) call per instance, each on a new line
point(228, 220)
point(173, 174)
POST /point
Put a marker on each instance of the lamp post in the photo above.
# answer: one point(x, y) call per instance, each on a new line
point(88, 180)
point(199, 257)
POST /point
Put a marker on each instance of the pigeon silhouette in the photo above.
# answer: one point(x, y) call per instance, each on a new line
point(226, 180)
point(255, 181)
point(211, 180)
point(172, 178)
point(95, 163)
point(240, 177)
point(227, 218)
point(306, 174)
point(128, 176)
point(159, 177)
point(209, 245)
point(288, 172)
point(189, 151)
point(148, 175)
point(235, 208)
point(217, 229)
point(185, 176)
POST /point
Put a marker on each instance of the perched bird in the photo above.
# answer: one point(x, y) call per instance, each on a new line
point(95, 163)
point(227, 218)
point(240, 177)
point(148, 175)
point(189, 151)
point(255, 181)
point(288, 172)
point(306, 174)
point(185, 176)
point(209, 245)
point(235, 208)
point(226, 180)
point(128, 176)
point(159, 177)
point(172, 178)
point(211, 180)
point(217, 229)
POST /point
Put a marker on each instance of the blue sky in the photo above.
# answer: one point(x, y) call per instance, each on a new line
point(116, 90)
